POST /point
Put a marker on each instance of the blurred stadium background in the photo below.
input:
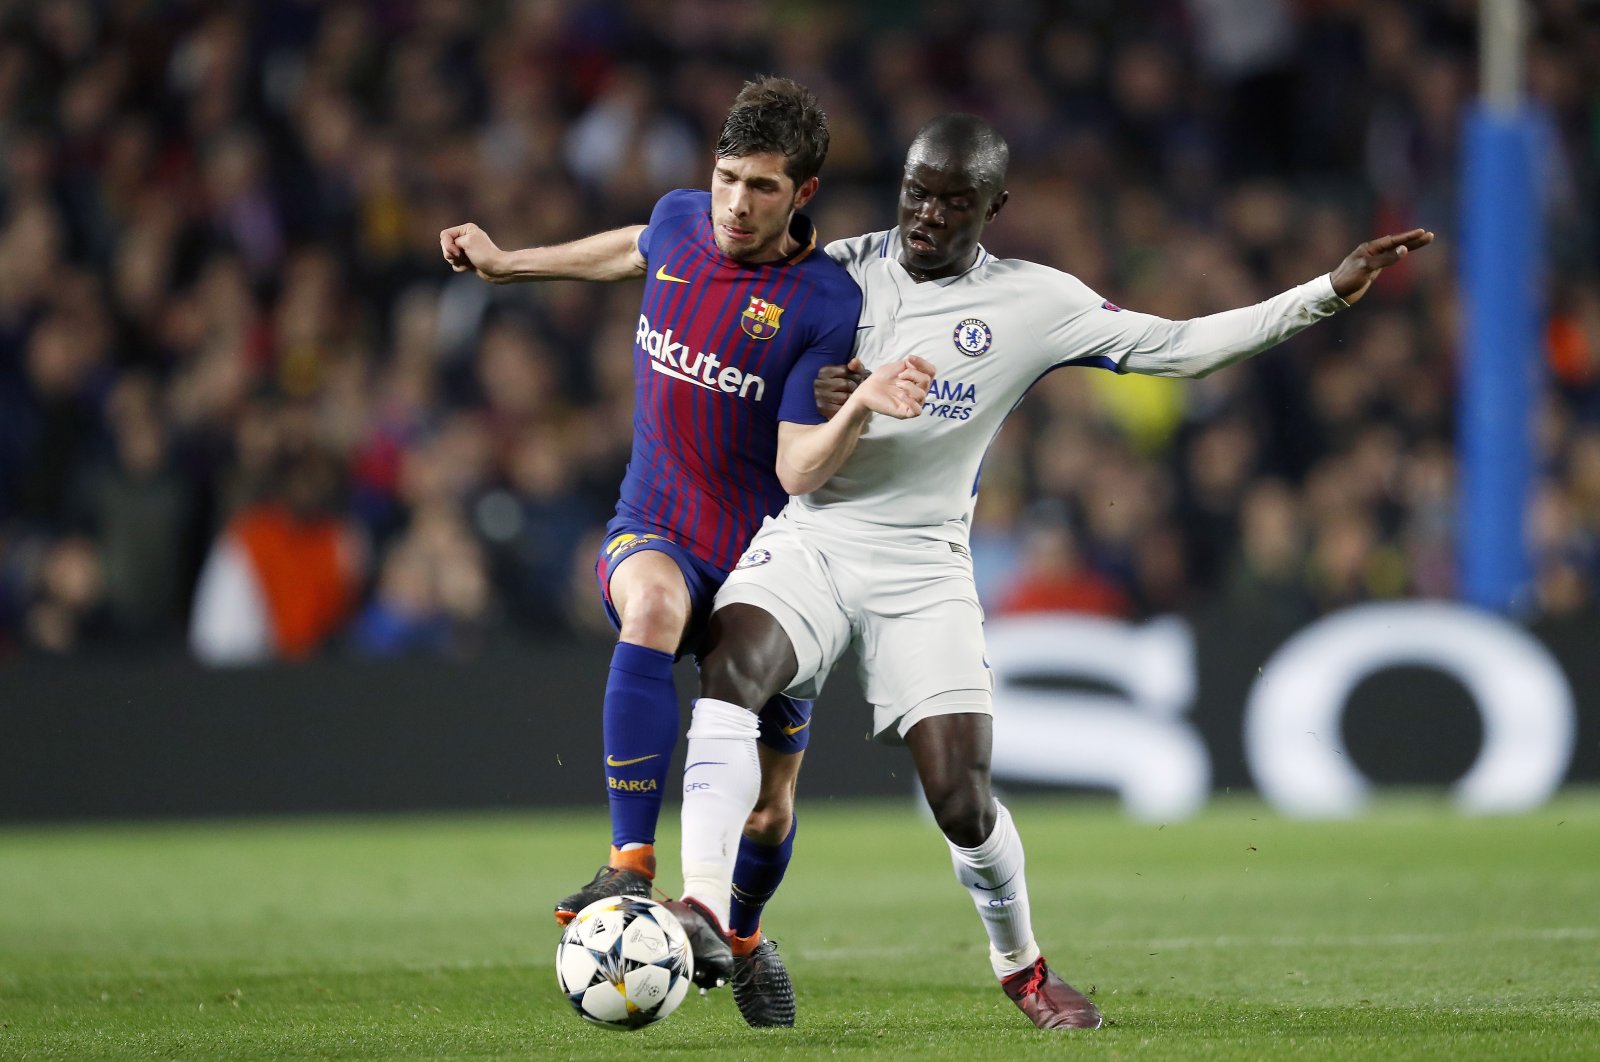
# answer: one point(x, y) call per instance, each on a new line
point(225, 325)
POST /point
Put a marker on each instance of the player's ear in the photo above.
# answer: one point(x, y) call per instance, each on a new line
point(994, 206)
point(807, 189)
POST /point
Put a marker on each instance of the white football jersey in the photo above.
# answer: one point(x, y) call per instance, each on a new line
point(992, 332)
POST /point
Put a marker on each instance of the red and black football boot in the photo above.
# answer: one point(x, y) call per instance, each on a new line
point(713, 959)
point(1048, 1001)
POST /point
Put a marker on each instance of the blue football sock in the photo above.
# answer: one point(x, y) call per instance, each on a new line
point(641, 730)
point(756, 877)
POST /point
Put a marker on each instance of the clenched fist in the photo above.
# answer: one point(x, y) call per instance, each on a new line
point(469, 248)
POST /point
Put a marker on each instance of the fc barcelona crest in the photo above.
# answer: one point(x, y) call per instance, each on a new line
point(760, 318)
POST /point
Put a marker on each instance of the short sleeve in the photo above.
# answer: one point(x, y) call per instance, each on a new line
point(683, 202)
point(834, 344)
point(854, 253)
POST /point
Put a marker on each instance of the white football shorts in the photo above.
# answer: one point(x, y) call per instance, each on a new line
point(907, 602)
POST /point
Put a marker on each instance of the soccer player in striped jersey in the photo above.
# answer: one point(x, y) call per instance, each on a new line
point(877, 557)
point(740, 311)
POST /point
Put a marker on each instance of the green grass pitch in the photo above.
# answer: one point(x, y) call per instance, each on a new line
point(1413, 933)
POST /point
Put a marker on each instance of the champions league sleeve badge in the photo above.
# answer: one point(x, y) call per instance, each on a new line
point(973, 337)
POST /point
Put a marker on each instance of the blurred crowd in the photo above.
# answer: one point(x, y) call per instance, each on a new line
point(246, 408)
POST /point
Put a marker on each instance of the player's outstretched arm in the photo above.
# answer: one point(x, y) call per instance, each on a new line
point(1362, 265)
point(1156, 346)
point(808, 454)
point(605, 256)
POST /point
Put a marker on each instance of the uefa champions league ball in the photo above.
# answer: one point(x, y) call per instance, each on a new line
point(624, 962)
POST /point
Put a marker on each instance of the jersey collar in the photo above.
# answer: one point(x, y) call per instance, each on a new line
point(805, 234)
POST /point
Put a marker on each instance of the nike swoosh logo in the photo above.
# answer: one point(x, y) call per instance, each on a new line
point(662, 274)
point(676, 375)
point(612, 761)
point(705, 763)
point(994, 888)
point(862, 327)
point(793, 730)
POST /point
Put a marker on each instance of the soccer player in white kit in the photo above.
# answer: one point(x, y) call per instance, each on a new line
point(877, 556)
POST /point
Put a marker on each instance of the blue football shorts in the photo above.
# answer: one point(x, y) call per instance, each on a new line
point(785, 721)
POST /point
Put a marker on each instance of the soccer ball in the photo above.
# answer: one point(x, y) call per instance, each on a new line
point(624, 962)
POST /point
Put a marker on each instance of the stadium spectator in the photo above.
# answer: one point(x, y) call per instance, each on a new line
point(66, 591)
point(140, 509)
point(432, 593)
point(1053, 577)
point(281, 580)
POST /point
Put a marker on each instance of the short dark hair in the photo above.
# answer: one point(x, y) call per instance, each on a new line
point(969, 141)
point(778, 115)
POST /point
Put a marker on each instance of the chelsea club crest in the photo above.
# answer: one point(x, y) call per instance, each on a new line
point(973, 337)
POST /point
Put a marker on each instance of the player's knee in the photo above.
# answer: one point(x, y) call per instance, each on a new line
point(740, 678)
point(656, 616)
point(964, 811)
point(751, 659)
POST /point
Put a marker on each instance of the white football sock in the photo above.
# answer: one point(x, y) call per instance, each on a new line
point(993, 874)
point(721, 780)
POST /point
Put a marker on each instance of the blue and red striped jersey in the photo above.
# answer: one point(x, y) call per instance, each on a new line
point(723, 352)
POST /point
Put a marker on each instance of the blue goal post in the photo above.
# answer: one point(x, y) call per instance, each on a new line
point(1501, 265)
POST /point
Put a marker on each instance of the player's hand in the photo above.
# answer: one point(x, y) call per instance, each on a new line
point(469, 249)
point(899, 388)
point(1357, 272)
point(835, 384)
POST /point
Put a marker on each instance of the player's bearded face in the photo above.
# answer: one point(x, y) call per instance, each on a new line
point(752, 202)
